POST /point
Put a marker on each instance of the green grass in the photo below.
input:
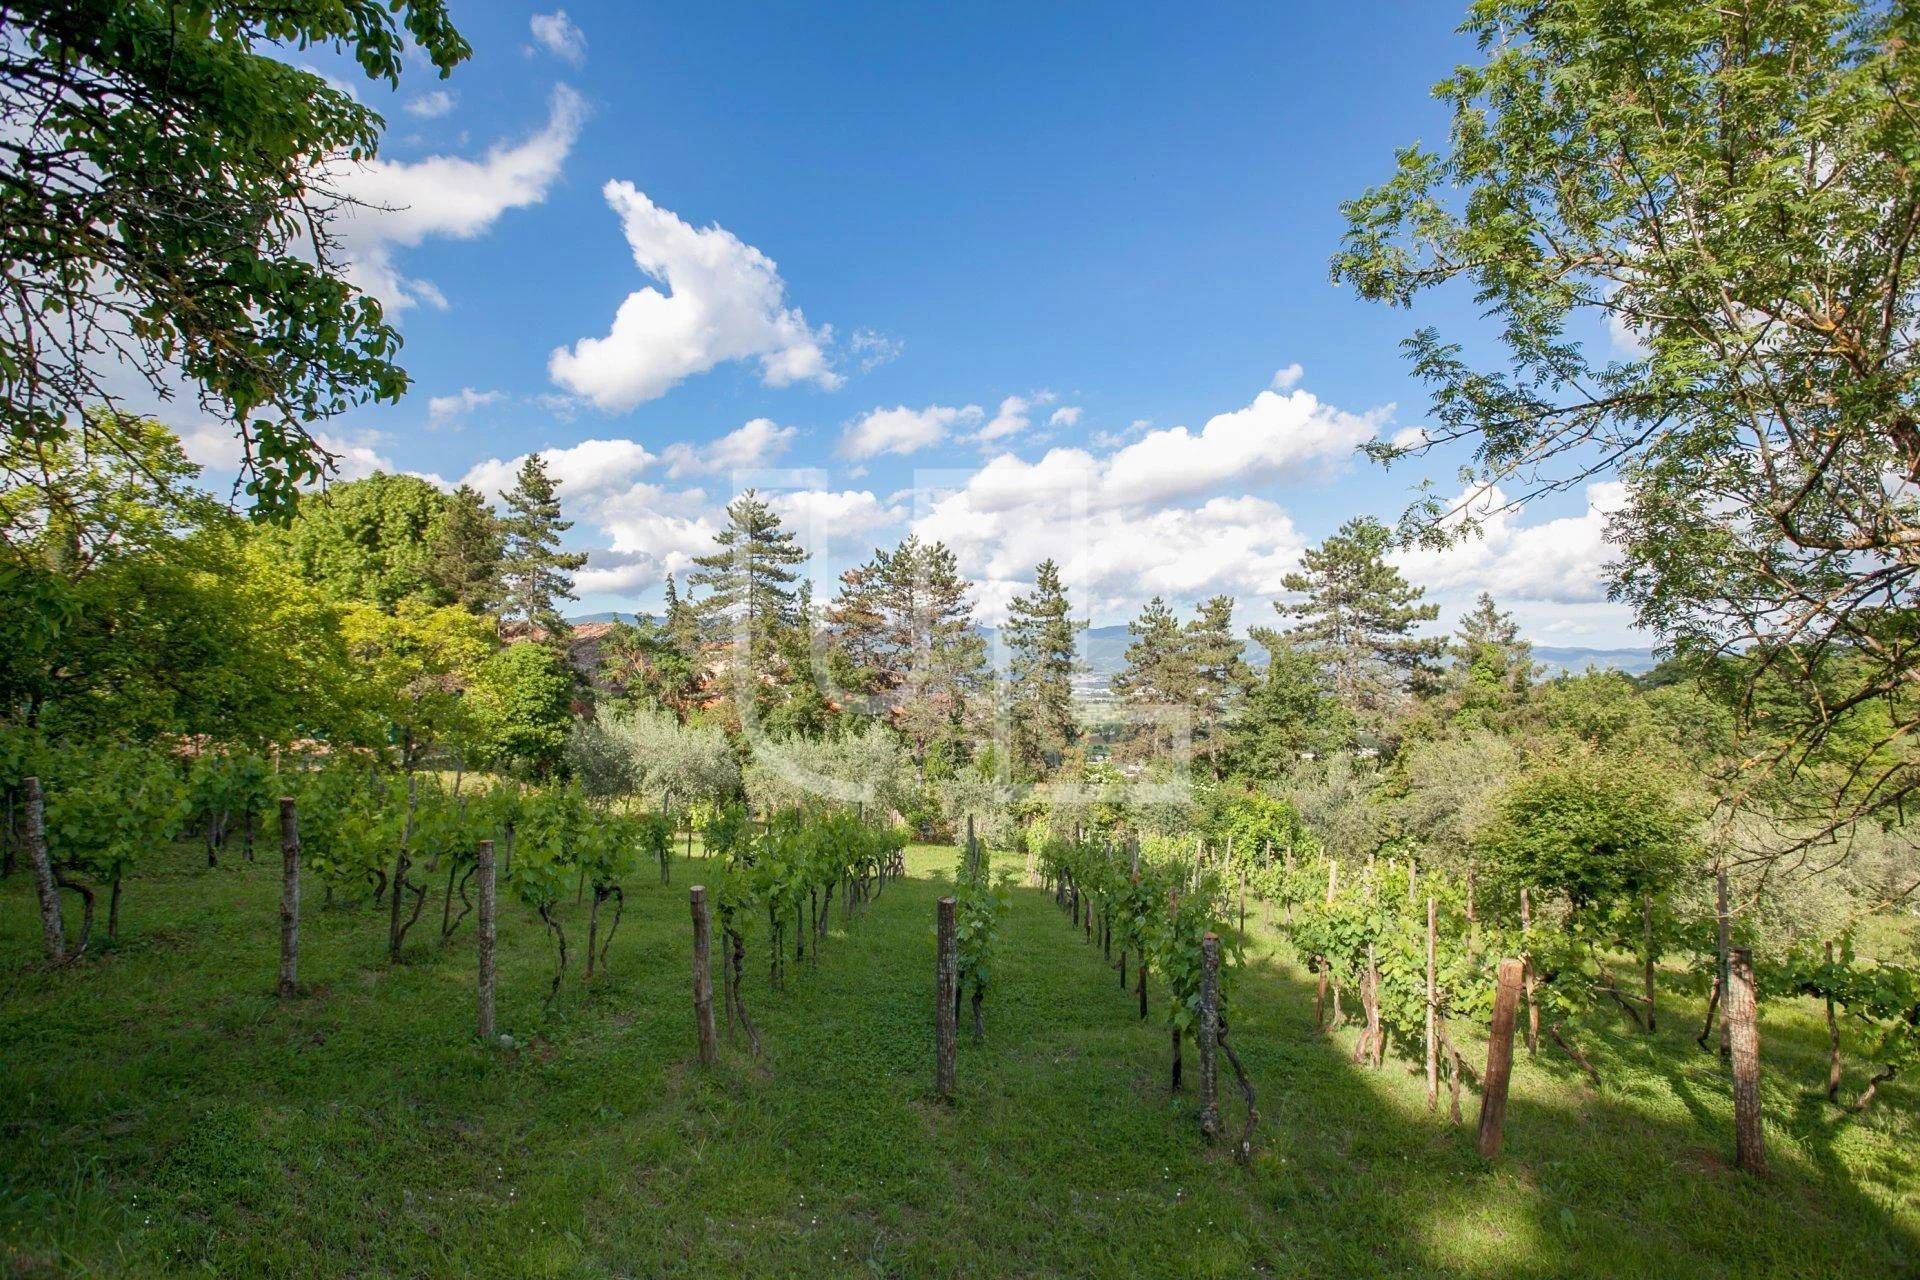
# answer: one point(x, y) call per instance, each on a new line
point(161, 1113)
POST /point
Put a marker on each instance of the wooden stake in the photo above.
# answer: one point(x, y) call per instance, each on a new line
point(289, 898)
point(946, 1030)
point(703, 975)
point(483, 872)
point(1493, 1092)
point(1433, 1004)
point(1210, 1036)
point(53, 931)
point(1742, 1022)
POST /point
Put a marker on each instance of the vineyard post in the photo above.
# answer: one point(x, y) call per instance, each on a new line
point(289, 897)
point(1533, 1010)
point(946, 1029)
point(1209, 1036)
point(483, 872)
point(702, 975)
point(1720, 925)
point(1493, 1095)
point(53, 930)
point(1646, 926)
point(1742, 1022)
point(1433, 1044)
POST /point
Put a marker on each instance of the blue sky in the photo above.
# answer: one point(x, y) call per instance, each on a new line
point(1075, 257)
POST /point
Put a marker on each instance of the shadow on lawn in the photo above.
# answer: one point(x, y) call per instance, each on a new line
point(1352, 1175)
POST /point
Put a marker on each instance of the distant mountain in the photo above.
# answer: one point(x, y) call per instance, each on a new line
point(1104, 650)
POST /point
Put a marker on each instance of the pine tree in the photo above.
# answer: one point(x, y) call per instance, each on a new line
point(535, 574)
point(1218, 677)
point(904, 626)
point(1158, 674)
point(1359, 618)
point(751, 601)
point(1289, 711)
point(1492, 665)
point(467, 552)
point(1043, 635)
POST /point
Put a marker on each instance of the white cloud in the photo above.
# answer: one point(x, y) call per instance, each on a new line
point(400, 203)
point(874, 349)
point(904, 430)
point(588, 473)
point(1010, 420)
point(754, 444)
point(447, 410)
point(430, 106)
point(1167, 514)
point(1561, 561)
point(824, 518)
point(1067, 415)
point(560, 36)
point(1287, 378)
point(724, 301)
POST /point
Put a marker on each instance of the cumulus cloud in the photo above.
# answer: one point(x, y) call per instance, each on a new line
point(755, 444)
point(587, 472)
point(1287, 378)
point(1011, 420)
point(724, 301)
point(400, 203)
point(449, 410)
point(1561, 561)
point(430, 106)
point(1168, 513)
point(903, 430)
point(558, 35)
point(1067, 415)
point(823, 517)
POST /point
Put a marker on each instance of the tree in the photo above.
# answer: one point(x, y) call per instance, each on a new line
point(1158, 674)
point(1359, 616)
point(466, 555)
point(1042, 635)
point(521, 706)
point(1492, 665)
point(751, 598)
point(535, 574)
point(1726, 193)
point(905, 623)
point(1289, 712)
point(1220, 678)
point(169, 213)
point(371, 540)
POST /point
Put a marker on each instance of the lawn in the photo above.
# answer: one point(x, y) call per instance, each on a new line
point(162, 1113)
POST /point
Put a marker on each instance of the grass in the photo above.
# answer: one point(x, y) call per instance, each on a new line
point(162, 1114)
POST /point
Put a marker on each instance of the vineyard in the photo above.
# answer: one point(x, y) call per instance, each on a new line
point(168, 1112)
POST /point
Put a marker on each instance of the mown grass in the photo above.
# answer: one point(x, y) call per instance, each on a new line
point(161, 1113)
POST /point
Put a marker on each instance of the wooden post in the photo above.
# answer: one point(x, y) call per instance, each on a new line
point(53, 930)
point(1433, 1004)
point(946, 1028)
point(1646, 926)
point(289, 898)
point(1742, 1022)
point(1720, 925)
point(1533, 1010)
point(483, 872)
point(702, 975)
point(1209, 1036)
point(1493, 1095)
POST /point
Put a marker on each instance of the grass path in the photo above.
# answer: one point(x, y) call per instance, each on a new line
point(161, 1113)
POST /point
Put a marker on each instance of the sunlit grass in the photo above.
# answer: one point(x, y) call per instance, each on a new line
point(161, 1113)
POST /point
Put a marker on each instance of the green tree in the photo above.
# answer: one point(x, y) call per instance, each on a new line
point(1726, 192)
point(1158, 674)
point(1358, 619)
point(371, 540)
point(751, 600)
point(1492, 666)
point(905, 622)
point(466, 557)
point(165, 215)
point(535, 574)
point(521, 705)
point(1215, 657)
point(1289, 712)
point(1043, 638)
